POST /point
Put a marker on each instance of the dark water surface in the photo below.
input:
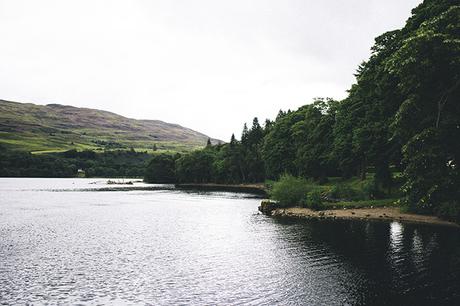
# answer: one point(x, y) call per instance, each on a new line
point(62, 245)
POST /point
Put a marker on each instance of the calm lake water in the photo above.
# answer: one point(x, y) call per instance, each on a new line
point(64, 242)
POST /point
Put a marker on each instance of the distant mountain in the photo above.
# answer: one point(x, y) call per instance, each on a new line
point(55, 127)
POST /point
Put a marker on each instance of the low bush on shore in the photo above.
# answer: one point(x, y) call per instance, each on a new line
point(449, 211)
point(344, 191)
point(315, 200)
point(290, 191)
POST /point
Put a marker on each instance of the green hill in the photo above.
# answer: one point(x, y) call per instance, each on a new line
point(55, 127)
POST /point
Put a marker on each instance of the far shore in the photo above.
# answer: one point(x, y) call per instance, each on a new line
point(374, 214)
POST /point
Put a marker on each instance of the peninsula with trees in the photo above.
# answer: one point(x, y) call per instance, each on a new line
point(393, 141)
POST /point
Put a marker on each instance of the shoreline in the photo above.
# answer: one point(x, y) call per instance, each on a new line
point(364, 214)
point(258, 189)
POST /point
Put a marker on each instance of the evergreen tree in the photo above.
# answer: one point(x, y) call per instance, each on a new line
point(244, 134)
point(233, 140)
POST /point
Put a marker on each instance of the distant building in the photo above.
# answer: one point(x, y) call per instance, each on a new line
point(81, 173)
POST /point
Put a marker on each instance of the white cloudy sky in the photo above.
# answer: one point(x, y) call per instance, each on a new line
point(210, 65)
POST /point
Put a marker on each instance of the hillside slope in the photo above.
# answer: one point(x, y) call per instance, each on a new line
point(55, 127)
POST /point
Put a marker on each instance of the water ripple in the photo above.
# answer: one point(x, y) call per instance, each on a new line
point(176, 248)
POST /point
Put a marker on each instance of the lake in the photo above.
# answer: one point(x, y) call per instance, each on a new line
point(65, 241)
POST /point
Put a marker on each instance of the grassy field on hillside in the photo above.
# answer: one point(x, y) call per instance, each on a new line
point(57, 128)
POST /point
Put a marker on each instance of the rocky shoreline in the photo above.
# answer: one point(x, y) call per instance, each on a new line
point(373, 214)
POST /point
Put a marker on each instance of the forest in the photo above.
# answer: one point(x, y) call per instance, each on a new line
point(399, 125)
point(66, 164)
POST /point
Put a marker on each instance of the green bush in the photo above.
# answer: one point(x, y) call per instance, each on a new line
point(371, 190)
point(342, 191)
point(449, 211)
point(290, 191)
point(314, 200)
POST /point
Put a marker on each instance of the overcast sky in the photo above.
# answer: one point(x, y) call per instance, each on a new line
point(209, 65)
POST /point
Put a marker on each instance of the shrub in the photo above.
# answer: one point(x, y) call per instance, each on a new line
point(372, 190)
point(290, 191)
point(342, 191)
point(314, 200)
point(449, 211)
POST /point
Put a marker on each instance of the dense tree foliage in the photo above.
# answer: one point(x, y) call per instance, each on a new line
point(66, 164)
point(402, 113)
point(195, 167)
point(161, 169)
point(235, 162)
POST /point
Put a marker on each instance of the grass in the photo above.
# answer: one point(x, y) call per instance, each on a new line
point(46, 129)
point(41, 144)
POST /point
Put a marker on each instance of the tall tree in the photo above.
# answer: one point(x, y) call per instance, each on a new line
point(428, 121)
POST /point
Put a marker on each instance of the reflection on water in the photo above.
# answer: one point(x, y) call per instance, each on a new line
point(396, 231)
point(171, 247)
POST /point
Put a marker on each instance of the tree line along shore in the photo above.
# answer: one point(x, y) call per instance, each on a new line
point(393, 140)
